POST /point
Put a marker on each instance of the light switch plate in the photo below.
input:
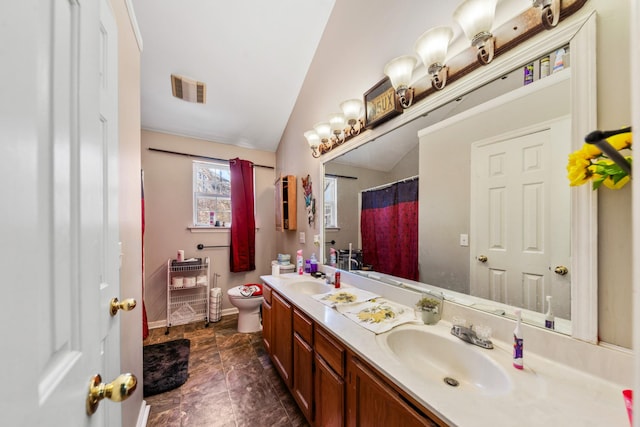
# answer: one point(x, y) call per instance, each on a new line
point(302, 237)
point(464, 240)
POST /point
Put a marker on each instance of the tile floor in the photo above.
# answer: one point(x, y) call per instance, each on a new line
point(231, 381)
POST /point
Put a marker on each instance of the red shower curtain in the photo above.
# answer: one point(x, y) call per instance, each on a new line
point(145, 324)
point(243, 222)
point(389, 227)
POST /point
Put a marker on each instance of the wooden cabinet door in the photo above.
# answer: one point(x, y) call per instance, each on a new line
point(329, 395)
point(371, 402)
point(303, 375)
point(266, 326)
point(282, 337)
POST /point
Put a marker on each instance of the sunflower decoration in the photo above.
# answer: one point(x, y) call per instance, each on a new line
point(341, 297)
point(590, 163)
point(377, 313)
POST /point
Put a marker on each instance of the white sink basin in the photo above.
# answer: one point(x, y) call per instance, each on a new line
point(433, 355)
point(309, 287)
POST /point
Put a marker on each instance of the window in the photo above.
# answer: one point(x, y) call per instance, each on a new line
point(330, 202)
point(211, 194)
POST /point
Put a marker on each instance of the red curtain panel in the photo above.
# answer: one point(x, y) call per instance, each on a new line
point(145, 324)
point(389, 227)
point(243, 222)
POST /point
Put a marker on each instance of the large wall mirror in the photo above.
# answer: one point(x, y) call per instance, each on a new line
point(441, 141)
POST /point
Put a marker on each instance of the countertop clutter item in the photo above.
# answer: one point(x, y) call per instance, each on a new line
point(285, 268)
point(187, 291)
point(518, 343)
point(284, 259)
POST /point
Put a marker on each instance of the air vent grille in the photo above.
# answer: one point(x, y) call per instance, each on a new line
point(188, 89)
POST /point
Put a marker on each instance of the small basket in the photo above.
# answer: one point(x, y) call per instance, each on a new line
point(184, 314)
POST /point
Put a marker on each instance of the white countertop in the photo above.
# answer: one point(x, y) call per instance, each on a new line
point(544, 393)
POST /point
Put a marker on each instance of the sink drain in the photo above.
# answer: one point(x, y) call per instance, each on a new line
point(451, 381)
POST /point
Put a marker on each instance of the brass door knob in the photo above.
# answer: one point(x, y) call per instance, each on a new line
point(482, 258)
point(561, 270)
point(126, 305)
point(117, 390)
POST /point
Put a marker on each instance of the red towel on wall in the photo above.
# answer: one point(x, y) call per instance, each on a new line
point(243, 222)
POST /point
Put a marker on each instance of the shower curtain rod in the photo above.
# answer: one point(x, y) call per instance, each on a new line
point(333, 175)
point(389, 184)
point(203, 157)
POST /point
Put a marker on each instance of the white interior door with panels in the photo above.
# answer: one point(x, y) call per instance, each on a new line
point(520, 250)
point(60, 157)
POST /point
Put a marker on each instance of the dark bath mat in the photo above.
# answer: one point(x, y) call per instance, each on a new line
point(165, 366)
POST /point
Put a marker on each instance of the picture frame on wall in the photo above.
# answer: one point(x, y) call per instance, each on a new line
point(381, 103)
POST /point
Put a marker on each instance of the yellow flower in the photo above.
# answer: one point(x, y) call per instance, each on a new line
point(620, 141)
point(578, 169)
point(589, 151)
point(615, 186)
point(590, 164)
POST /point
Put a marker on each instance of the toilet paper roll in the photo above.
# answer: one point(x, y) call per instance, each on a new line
point(177, 281)
point(215, 292)
point(180, 256)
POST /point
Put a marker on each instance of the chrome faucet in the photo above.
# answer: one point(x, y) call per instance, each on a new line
point(470, 336)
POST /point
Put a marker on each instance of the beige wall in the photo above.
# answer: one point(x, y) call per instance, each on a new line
point(129, 205)
point(366, 61)
point(168, 213)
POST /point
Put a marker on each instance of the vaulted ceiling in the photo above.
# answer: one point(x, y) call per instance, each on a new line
point(256, 57)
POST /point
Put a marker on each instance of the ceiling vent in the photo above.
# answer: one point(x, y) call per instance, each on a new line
point(188, 89)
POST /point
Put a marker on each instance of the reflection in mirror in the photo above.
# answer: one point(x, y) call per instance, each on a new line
point(454, 222)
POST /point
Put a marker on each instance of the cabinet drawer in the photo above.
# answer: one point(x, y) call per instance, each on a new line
point(266, 293)
point(332, 352)
point(303, 326)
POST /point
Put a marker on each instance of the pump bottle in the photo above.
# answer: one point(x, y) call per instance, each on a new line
point(518, 343)
point(549, 318)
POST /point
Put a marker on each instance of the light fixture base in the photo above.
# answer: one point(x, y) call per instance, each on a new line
point(438, 73)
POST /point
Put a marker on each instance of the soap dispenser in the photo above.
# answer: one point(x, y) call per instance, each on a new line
point(518, 343)
point(549, 318)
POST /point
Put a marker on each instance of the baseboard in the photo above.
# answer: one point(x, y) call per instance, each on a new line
point(143, 415)
point(163, 323)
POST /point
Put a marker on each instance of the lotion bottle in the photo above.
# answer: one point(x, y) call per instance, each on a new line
point(549, 318)
point(300, 262)
point(518, 343)
point(332, 257)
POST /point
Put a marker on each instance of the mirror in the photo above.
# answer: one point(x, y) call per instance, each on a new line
point(433, 139)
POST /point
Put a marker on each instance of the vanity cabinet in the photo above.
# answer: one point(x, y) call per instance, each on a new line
point(266, 317)
point(285, 193)
point(332, 385)
point(282, 337)
point(303, 363)
point(372, 401)
point(329, 398)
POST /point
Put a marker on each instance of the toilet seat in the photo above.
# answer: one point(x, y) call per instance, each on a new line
point(235, 292)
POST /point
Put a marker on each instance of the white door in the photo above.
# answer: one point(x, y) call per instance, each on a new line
point(59, 221)
point(514, 179)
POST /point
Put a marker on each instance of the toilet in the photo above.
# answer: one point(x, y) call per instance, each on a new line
point(247, 299)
